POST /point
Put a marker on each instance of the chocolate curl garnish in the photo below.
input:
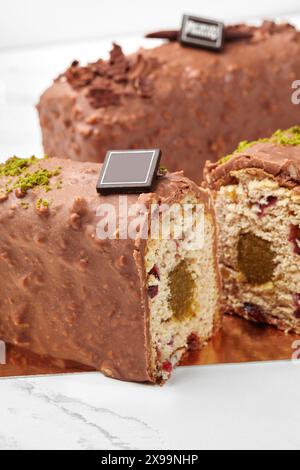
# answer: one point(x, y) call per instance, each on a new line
point(231, 33)
point(170, 35)
point(237, 32)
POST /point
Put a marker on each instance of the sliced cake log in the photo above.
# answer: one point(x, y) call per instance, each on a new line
point(257, 197)
point(193, 104)
point(127, 307)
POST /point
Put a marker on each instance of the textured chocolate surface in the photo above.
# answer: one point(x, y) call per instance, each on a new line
point(65, 293)
point(238, 341)
point(193, 104)
point(281, 161)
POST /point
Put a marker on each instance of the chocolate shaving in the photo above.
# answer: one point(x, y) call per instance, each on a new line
point(170, 35)
point(118, 64)
point(232, 33)
point(79, 77)
point(100, 68)
point(237, 32)
point(102, 97)
point(144, 87)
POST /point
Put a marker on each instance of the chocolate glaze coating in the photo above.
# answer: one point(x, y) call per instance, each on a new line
point(281, 161)
point(65, 293)
point(193, 104)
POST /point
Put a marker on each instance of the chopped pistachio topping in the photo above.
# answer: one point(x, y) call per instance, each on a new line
point(40, 177)
point(58, 184)
point(288, 137)
point(42, 203)
point(162, 171)
point(15, 166)
point(22, 177)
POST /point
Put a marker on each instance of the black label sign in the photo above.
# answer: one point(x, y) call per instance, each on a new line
point(129, 171)
point(202, 32)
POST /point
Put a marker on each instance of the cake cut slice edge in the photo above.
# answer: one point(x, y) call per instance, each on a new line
point(257, 202)
point(183, 287)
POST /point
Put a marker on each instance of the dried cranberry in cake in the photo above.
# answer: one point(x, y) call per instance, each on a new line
point(167, 367)
point(295, 238)
point(155, 272)
point(152, 291)
point(255, 259)
point(297, 313)
point(265, 203)
point(193, 342)
point(254, 312)
point(296, 298)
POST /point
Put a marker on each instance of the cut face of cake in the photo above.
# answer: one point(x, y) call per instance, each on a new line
point(257, 200)
point(183, 288)
point(191, 103)
point(129, 306)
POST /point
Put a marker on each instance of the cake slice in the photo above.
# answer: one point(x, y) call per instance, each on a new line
point(130, 307)
point(193, 104)
point(257, 198)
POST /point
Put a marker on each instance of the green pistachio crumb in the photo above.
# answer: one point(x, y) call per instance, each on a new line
point(42, 203)
point(162, 171)
point(22, 177)
point(15, 166)
point(28, 180)
point(289, 137)
point(40, 177)
point(24, 205)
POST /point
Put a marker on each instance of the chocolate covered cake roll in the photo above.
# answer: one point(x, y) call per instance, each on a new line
point(129, 307)
point(192, 103)
point(257, 196)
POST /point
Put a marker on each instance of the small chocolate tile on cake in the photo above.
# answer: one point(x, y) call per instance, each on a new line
point(129, 306)
point(257, 198)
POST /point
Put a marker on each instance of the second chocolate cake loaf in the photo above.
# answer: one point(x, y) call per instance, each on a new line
point(193, 104)
point(257, 196)
point(129, 307)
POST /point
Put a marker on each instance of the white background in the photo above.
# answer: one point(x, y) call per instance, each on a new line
point(28, 22)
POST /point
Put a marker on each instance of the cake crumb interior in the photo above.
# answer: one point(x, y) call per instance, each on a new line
point(260, 249)
point(183, 295)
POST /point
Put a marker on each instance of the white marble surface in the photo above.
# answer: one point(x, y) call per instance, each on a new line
point(246, 406)
point(253, 406)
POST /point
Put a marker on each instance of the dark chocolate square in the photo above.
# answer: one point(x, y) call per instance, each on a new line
point(129, 171)
point(202, 32)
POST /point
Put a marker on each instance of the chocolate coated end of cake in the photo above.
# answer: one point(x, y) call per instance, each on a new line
point(126, 306)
